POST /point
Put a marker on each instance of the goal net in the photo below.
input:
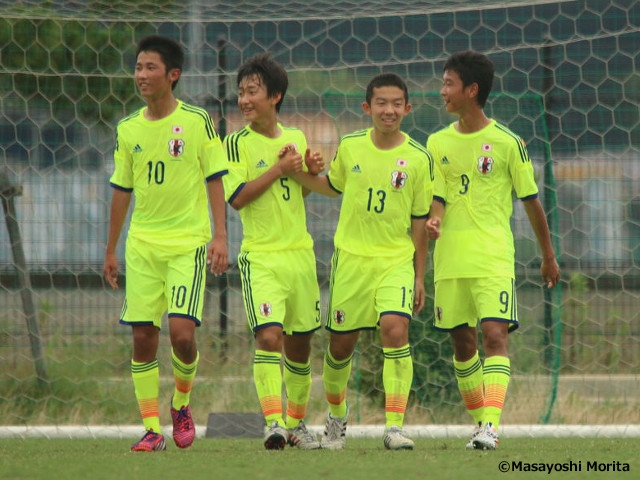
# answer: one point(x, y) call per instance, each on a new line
point(567, 81)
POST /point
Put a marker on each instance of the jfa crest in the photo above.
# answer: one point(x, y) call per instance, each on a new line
point(265, 309)
point(398, 179)
point(485, 165)
point(338, 317)
point(176, 147)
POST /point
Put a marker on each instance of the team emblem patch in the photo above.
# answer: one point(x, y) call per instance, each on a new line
point(265, 309)
point(176, 147)
point(485, 165)
point(338, 317)
point(398, 179)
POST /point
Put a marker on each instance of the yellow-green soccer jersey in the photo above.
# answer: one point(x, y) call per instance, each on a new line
point(166, 164)
point(382, 191)
point(476, 174)
point(276, 220)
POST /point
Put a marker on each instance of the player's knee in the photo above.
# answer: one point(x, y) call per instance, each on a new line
point(494, 342)
point(269, 339)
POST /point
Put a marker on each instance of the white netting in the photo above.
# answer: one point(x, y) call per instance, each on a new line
point(567, 81)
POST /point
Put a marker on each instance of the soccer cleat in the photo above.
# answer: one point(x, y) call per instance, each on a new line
point(302, 438)
point(396, 438)
point(150, 442)
point(487, 438)
point(275, 437)
point(334, 433)
point(476, 431)
point(184, 431)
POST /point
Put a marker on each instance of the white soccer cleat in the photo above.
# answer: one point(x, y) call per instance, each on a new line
point(476, 431)
point(334, 433)
point(487, 438)
point(275, 437)
point(396, 438)
point(302, 438)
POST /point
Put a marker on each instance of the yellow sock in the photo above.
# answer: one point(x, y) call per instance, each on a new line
point(497, 373)
point(268, 380)
point(397, 375)
point(335, 377)
point(184, 375)
point(297, 382)
point(146, 382)
point(470, 383)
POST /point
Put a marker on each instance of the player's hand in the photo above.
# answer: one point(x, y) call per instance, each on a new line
point(418, 295)
point(314, 162)
point(110, 270)
point(550, 272)
point(218, 255)
point(432, 226)
point(290, 160)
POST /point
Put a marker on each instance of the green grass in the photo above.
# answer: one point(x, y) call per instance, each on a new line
point(364, 459)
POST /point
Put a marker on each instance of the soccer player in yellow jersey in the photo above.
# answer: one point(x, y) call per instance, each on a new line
point(479, 163)
point(170, 157)
point(276, 260)
point(377, 274)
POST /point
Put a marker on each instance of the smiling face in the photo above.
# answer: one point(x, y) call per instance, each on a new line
point(152, 78)
point(387, 108)
point(457, 98)
point(254, 101)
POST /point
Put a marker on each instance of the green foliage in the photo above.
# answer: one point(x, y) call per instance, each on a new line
point(76, 65)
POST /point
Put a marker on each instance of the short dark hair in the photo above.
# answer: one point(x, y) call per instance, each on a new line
point(473, 67)
point(170, 52)
point(270, 72)
point(386, 80)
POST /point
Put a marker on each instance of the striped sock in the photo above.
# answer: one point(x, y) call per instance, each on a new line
point(146, 382)
point(184, 375)
point(397, 376)
point(335, 377)
point(470, 383)
point(497, 373)
point(268, 380)
point(297, 381)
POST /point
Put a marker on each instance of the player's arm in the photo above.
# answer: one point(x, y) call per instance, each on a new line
point(316, 183)
point(288, 164)
point(315, 166)
point(549, 268)
point(120, 201)
point(218, 252)
point(436, 213)
point(421, 245)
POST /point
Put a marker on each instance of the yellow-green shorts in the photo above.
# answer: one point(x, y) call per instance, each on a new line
point(362, 289)
point(467, 301)
point(281, 288)
point(161, 280)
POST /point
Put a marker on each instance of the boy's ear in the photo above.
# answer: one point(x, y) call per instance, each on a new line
point(174, 74)
point(276, 97)
point(366, 108)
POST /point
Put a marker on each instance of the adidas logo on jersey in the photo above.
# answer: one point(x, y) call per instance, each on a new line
point(356, 169)
point(261, 164)
point(445, 161)
point(137, 149)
